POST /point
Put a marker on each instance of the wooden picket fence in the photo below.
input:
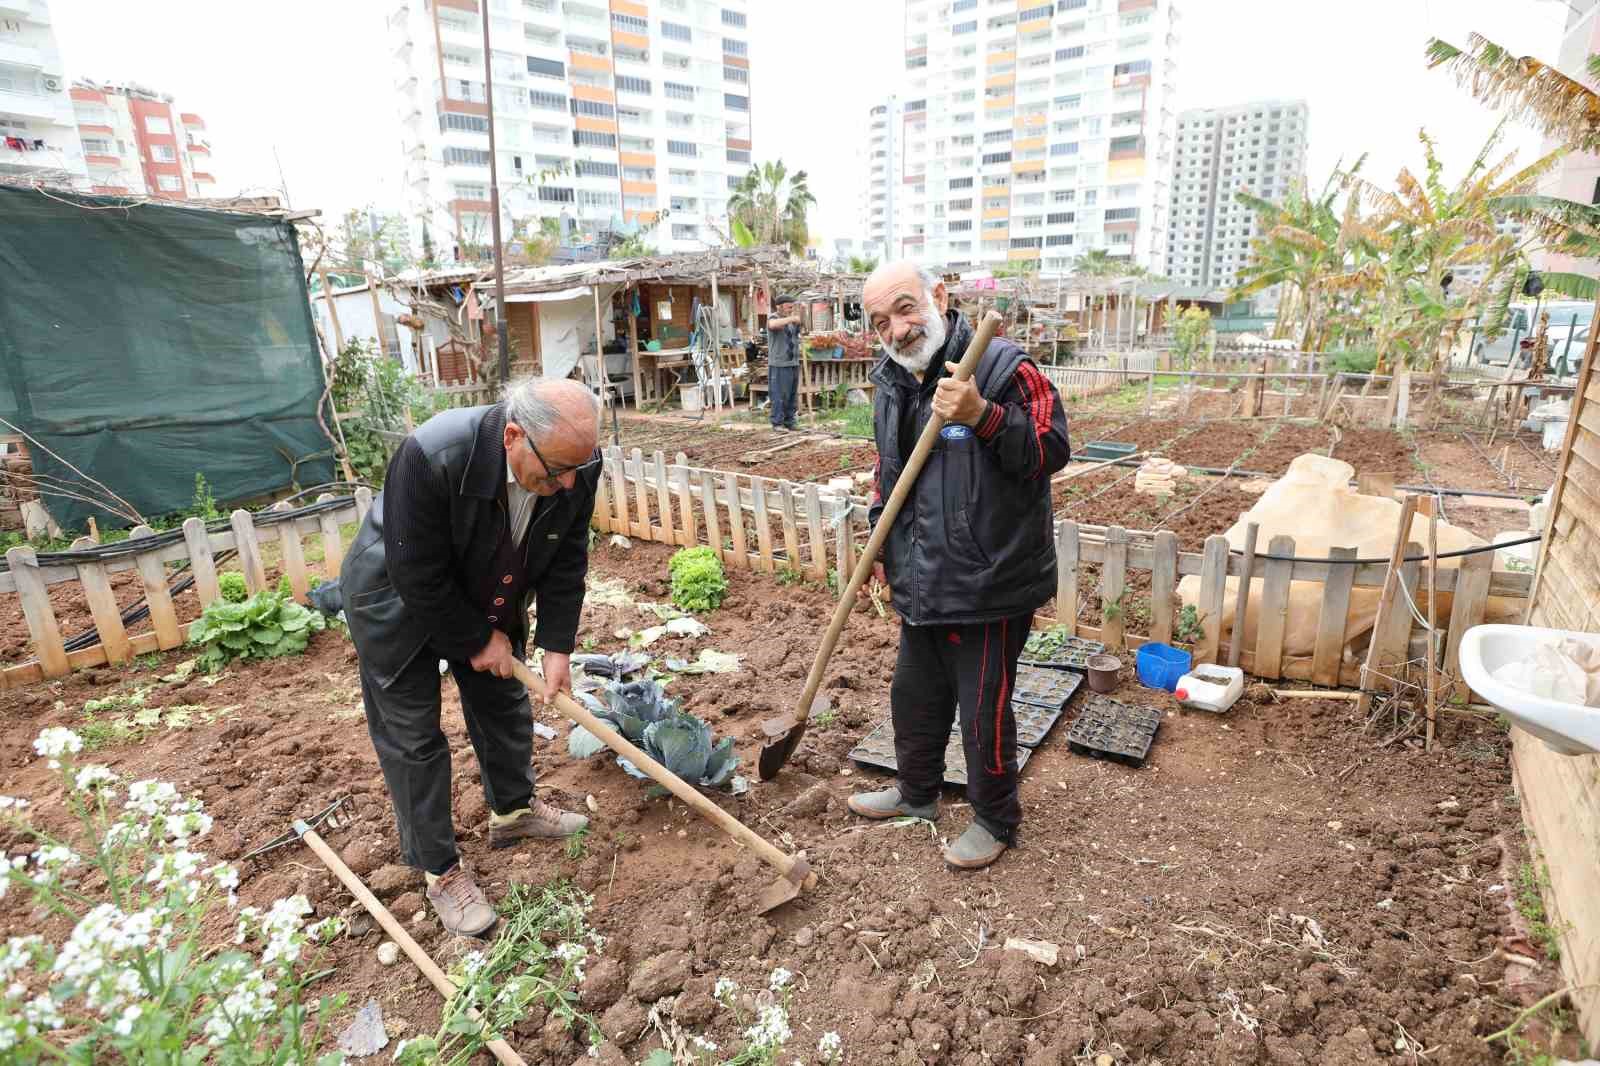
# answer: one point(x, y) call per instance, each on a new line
point(1114, 373)
point(32, 582)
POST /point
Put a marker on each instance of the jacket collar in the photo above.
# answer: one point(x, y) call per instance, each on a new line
point(485, 473)
point(958, 334)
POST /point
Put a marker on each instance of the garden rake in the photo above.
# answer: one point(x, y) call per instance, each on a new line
point(784, 734)
point(797, 875)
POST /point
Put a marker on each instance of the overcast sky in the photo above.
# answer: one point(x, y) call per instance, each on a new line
point(308, 85)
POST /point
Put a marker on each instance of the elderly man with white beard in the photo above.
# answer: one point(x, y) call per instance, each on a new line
point(971, 555)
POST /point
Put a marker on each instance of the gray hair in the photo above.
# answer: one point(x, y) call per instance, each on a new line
point(542, 406)
point(930, 280)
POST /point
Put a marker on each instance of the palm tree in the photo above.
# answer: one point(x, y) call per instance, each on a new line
point(769, 206)
point(1301, 246)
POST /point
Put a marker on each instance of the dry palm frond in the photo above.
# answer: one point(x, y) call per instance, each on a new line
point(1526, 87)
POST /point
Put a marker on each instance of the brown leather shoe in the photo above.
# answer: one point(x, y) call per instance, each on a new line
point(538, 820)
point(462, 907)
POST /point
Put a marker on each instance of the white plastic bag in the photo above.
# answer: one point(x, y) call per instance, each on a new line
point(1568, 671)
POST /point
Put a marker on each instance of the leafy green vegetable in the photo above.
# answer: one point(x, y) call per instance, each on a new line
point(268, 625)
point(285, 589)
point(680, 741)
point(698, 583)
point(231, 586)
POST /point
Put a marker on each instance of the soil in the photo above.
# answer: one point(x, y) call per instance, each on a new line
point(1277, 884)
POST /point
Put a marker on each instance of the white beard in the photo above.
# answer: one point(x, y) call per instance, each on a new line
point(919, 354)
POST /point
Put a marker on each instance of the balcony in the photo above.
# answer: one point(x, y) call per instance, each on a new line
point(94, 160)
point(25, 56)
point(27, 105)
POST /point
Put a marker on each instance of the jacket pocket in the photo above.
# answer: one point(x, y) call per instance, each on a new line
point(373, 596)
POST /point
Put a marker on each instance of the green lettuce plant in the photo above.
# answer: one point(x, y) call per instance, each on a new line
point(265, 626)
point(698, 583)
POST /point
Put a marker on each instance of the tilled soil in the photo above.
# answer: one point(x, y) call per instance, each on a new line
point(1274, 886)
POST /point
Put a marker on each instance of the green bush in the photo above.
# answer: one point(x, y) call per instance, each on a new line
point(231, 587)
point(697, 580)
point(1356, 360)
point(266, 626)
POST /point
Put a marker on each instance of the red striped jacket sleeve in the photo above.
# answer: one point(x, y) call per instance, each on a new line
point(1027, 427)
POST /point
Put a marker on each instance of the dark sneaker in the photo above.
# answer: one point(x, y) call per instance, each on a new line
point(974, 849)
point(462, 907)
point(538, 821)
point(888, 804)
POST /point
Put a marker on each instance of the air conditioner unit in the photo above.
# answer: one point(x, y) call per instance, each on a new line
point(52, 83)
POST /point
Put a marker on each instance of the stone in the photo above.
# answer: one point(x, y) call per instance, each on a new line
point(694, 1005)
point(811, 803)
point(624, 1021)
point(388, 953)
point(363, 856)
point(603, 984)
point(391, 879)
point(804, 936)
point(662, 975)
point(408, 903)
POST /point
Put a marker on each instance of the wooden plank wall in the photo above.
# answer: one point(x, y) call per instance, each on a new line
point(1561, 793)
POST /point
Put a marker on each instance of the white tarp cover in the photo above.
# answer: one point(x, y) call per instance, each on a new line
point(549, 297)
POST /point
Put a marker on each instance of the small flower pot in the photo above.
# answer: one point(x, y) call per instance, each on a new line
point(1104, 673)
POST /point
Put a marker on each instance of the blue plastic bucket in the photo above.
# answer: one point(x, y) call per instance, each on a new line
point(1161, 665)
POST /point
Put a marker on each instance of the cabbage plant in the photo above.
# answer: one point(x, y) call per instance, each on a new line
point(678, 740)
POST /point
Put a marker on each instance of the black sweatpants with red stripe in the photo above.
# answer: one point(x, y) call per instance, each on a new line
point(971, 667)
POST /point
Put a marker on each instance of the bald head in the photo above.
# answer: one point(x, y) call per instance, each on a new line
point(561, 419)
point(905, 306)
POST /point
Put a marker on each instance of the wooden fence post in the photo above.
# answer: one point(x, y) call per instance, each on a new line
point(294, 558)
point(791, 527)
point(36, 608)
point(1163, 586)
point(741, 556)
point(1213, 589)
point(1273, 615)
point(619, 488)
point(641, 498)
point(332, 541)
point(202, 564)
point(153, 575)
point(758, 497)
point(103, 607)
point(689, 536)
point(708, 504)
point(1067, 576)
point(1114, 588)
point(601, 519)
point(1328, 653)
point(1466, 610)
point(363, 503)
point(663, 498)
point(244, 538)
point(819, 547)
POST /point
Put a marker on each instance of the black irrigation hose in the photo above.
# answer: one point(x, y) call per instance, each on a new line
point(1427, 490)
point(1532, 538)
point(140, 610)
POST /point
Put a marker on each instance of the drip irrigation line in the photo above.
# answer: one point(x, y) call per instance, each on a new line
point(1532, 538)
point(1427, 489)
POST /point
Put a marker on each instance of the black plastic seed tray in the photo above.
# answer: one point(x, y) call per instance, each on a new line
point(1108, 729)
point(876, 749)
point(1044, 687)
point(1034, 723)
point(1072, 654)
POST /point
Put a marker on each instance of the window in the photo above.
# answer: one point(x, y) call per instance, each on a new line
point(1059, 218)
point(593, 108)
point(964, 27)
point(736, 74)
point(1056, 240)
point(169, 182)
point(681, 177)
point(158, 125)
point(460, 57)
point(997, 157)
point(997, 137)
point(682, 148)
point(733, 18)
point(732, 47)
point(466, 123)
point(734, 102)
point(1033, 222)
point(471, 156)
point(1071, 5)
point(1141, 66)
point(677, 91)
point(544, 101)
point(916, 105)
point(588, 169)
point(1121, 214)
point(630, 24)
point(590, 198)
point(962, 5)
point(738, 155)
point(960, 183)
point(163, 153)
point(95, 145)
point(683, 233)
point(638, 203)
point(594, 139)
point(627, 84)
point(961, 205)
point(672, 31)
point(1075, 52)
point(1064, 148)
point(638, 174)
point(1027, 242)
point(470, 190)
point(961, 226)
point(556, 194)
point(1033, 14)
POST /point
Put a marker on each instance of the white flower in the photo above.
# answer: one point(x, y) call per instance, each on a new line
point(399, 1049)
point(780, 979)
point(55, 742)
point(92, 776)
point(6, 867)
point(472, 962)
point(18, 952)
point(226, 877)
point(771, 1029)
point(42, 1012)
point(123, 1026)
point(250, 1001)
point(324, 931)
point(54, 856)
point(702, 1044)
point(12, 803)
point(594, 1051)
point(725, 988)
point(828, 1046)
point(282, 927)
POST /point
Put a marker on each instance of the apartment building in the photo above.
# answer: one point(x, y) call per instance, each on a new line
point(1033, 131)
point(1257, 147)
point(38, 133)
point(605, 117)
point(880, 170)
point(136, 142)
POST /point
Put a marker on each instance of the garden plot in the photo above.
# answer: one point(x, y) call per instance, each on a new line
point(1278, 884)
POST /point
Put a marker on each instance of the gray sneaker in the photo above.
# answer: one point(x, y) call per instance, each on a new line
point(888, 804)
point(974, 849)
point(462, 907)
point(539, 819)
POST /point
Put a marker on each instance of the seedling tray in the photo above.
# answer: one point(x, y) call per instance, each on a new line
point(1109, 729)
point(1034, 723)
point(876, 749)
point(1043, 687)
point(1072, 654)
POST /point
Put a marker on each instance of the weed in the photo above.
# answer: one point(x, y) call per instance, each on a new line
point(148, 661)
point(578, 844)
point(825, 719)
point(1191, 625)
point(844, 461)
point(204, 505)
point(590, 643)
point(833, 580)
point(1531, 881)
point(1113, 609)
point(790, 576)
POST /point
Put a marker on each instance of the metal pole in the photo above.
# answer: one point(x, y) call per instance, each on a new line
point(494, 210)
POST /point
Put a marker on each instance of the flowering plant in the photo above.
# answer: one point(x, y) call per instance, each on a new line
point(134, 980)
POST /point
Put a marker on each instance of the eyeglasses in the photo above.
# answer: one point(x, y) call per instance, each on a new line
point(554, 473)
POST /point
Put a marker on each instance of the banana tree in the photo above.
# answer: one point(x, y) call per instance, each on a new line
point(769, 207)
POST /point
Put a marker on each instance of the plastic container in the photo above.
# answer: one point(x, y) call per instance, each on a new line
point(1160, 665)
point(1104, 671)
point(1555, 433)
point(1210, 688)
point(1106, 449)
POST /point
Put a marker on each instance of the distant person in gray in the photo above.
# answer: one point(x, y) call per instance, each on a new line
point(783, 362)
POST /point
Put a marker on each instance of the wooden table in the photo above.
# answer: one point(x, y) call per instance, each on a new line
point(818, 376)
point(662, 373)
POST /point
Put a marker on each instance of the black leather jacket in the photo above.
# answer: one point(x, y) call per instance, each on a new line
point(433, 531)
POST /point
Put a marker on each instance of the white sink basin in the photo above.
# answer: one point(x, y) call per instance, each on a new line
point(1569, 728)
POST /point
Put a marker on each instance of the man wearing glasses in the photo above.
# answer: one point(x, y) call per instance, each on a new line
point(483, 510)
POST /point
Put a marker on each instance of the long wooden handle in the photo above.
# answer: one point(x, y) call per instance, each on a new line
point(891, 508)
point(398, 934)
point(670, 781)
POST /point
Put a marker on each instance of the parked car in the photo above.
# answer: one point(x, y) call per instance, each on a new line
point(1567, 318)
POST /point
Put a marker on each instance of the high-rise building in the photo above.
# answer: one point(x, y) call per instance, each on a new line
point(1258, 147)
point(137, 143)
point(880, 171)
point(38, 133)
point(1034, 131)
point(605, 117)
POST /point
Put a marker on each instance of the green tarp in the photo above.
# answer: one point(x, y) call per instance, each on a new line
point(146, 343)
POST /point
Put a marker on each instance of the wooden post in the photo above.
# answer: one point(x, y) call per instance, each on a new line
point(1386, 605)
point(601, 519)
point(689, 534)
point(333, 312)
point(741, 556)
point(202, 564)
point(363, 503)
point(1213, 589)
point(1430, 505)
point(708, 504)
point(716, 350)
point(153, 575)
point(103, 608)
point(38, 612)
point(377, 325)
point(758, 497)
point(1163, 585)
point(294, 559)
point(1114, 587)
point(1241, 601)
point(791, 527)
point(1273, 614)
point(1467, 608)
point(244, 538)
point(1328, 654)
point(1067, 576)
point(819, 548)
point(641, 498)
point(663, 497)
point(1149, 393)
point(332, 542)
point(602, 381)
point(633, 349)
